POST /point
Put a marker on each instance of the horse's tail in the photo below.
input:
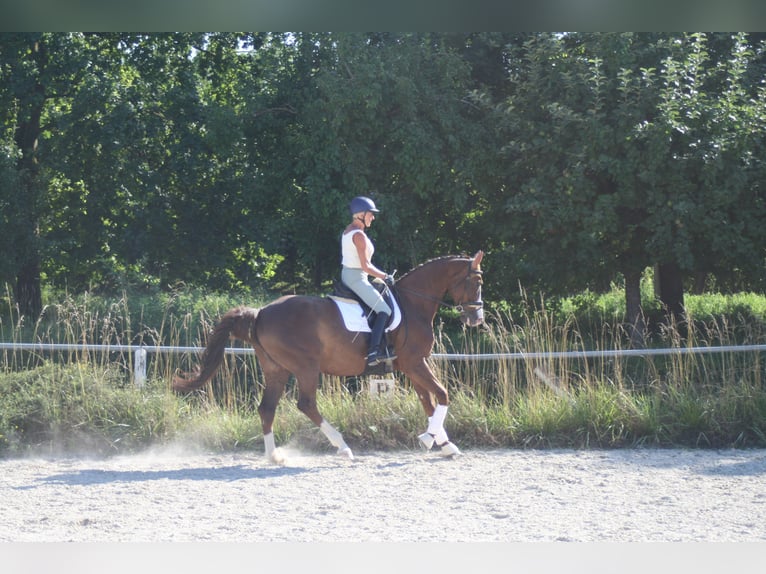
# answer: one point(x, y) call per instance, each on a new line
point(238, 323)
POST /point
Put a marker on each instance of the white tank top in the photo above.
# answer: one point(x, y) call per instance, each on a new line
point(349, 252)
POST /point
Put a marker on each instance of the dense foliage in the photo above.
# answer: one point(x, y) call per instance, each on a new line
point(226, 160)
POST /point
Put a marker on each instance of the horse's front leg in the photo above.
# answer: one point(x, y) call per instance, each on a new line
point(427, 385)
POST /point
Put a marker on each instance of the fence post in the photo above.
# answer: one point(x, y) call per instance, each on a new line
point(139, 367)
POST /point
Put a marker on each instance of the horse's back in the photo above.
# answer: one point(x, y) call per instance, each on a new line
point(306, 306)
point(304, 328)
point(300, 316)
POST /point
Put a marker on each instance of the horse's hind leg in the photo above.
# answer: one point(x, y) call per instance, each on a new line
point(307, 404)
point(275, 382)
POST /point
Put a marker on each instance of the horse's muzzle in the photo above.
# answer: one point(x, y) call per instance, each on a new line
point(472, 314)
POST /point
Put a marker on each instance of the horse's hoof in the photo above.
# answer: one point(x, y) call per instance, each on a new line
point(427, 440)
point(346, 452)
point(449, 449)
point(278, 456)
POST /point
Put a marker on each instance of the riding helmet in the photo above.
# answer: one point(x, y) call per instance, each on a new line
point(361, 203)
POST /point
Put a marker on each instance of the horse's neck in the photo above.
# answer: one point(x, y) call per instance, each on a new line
point(431, 279)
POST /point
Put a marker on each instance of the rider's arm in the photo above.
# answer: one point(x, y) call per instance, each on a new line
point(359, 240)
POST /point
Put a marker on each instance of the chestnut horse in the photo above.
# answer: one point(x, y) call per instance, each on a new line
point(305, 336)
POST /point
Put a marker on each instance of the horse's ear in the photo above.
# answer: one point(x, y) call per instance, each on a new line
point(477, 259)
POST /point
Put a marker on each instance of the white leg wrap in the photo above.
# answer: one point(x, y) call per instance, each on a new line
point(273, 454)
point(336, 439)
point(436, 425)
point(436, 421)
point(268, 444)
point(427, 440)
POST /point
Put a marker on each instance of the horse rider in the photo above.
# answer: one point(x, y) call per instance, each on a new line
point(356, 252)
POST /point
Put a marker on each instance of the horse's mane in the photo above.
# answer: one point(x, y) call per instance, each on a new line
point(434, 260)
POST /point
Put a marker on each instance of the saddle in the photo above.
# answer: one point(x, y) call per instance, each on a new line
point(341, 290)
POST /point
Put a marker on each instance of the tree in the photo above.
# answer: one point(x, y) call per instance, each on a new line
point(618, 146)
point(133, 160)
point(712, 111)
point(392, 120)
point(350, 114)
point(37, 69)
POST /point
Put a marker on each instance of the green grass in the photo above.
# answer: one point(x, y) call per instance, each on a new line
point(83, 401)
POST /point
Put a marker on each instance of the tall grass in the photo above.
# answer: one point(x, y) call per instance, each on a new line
point(82, 400)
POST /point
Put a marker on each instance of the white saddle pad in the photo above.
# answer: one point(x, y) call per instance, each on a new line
point(355, 319)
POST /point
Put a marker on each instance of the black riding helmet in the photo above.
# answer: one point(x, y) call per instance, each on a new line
point(361, 203)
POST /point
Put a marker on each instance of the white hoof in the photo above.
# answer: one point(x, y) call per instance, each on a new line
point(278, 456)
point(449, 449)
point(427, 440)
point(346, 452)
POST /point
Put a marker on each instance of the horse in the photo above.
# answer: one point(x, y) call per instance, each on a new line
point(305, 336)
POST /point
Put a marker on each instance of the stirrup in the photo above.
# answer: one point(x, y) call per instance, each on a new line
point(388, 355)
point(376, 357)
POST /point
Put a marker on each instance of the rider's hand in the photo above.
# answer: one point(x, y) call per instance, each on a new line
point(389, 280)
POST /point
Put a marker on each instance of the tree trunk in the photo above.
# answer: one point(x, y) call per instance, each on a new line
point(28, 290)
point(700, 281)
point(671, 291)
point(634, 312)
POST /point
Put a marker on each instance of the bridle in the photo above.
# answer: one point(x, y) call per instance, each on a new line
point(463, 307)
point(469, 305)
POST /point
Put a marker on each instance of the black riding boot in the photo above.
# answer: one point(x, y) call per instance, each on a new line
point(375, 356)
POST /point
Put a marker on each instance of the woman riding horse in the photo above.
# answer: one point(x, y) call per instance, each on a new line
point(304, 336)
point(356, 252)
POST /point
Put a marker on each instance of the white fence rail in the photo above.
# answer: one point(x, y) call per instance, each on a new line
point(142, 351)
